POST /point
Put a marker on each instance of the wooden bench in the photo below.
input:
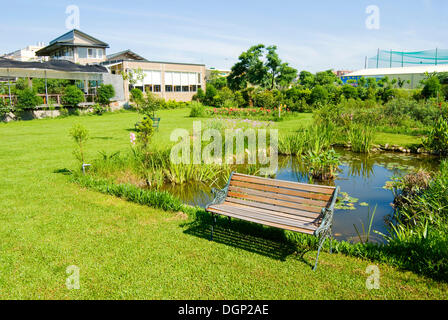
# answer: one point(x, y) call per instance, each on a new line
point(285, 205)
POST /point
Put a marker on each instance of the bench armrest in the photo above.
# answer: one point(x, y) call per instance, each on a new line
point(220, 195)
point(327, 220)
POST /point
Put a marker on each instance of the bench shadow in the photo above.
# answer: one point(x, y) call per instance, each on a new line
point(266, 241)
point(64, 171)
point(103, 138)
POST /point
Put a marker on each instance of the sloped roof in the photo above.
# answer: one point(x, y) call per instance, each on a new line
point(69, 39)
point(131, 54)
point(58, 65)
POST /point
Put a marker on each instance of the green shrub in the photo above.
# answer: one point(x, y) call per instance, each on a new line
point(151, 104)
point(198, 110)
point(72, 96)
point(104, 94)
point(99, 109)
point(265, 99)
point(4, 108)
point(437, 140)
point(199, 96)
point(432, 87)
point(27, 99)
point(319, 95)
point(137, 97)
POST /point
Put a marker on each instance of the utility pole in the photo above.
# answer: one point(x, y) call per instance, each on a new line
point(390, 58)
point(378, 59)
point(437, 54)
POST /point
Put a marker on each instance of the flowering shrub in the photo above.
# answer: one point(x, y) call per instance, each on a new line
point(247, 113)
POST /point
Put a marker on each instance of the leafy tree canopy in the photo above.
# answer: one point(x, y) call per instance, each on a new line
point(261, 66)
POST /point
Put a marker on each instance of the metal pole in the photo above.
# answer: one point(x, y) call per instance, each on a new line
point(437, 54)
point(46, 89)
point(9, 88)
point(390, 58)
point(402, 59)
point(378, 59)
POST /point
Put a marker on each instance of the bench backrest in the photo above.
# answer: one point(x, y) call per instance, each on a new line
point(282, 196)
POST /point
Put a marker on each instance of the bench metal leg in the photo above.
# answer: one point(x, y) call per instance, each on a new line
point(213, 226)
point(321, 244)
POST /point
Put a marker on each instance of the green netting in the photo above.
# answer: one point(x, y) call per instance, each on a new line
point(390, 58)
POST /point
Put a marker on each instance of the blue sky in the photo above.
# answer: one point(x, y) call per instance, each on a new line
point(311, 35)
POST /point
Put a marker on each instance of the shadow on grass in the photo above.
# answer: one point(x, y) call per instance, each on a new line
point(103, 138)
point(65, 171)
point(269, 242)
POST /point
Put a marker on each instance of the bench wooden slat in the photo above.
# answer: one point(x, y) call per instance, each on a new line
point(266, 223)
point(266, 217)
point(285, 184)
point(253, 204)
point(232, 194)
point(277, 196)
point(306, 195)
point(274, 213)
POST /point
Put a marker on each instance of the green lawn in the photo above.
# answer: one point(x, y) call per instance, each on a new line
point(127, 251)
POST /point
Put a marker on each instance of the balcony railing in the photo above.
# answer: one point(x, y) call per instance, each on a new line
point(53, 99)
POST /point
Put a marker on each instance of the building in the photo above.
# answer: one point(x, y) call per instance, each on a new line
point(218, 72)
point(340, 73)
point(410, 76)
point(26, 54)
point(75, 46)
point(169, 80)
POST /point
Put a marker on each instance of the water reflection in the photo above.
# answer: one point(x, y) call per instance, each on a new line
point(362, 177)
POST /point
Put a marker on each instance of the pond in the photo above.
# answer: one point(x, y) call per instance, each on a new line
point(361, 177)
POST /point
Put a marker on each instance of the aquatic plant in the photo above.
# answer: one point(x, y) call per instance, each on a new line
point(361, 138)
point(365, 236)
point(322, 165)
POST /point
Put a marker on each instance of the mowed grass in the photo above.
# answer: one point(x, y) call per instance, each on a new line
point(128, 251)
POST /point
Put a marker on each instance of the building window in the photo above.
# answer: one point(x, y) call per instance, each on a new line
point(178, 88)
point(148, 88)
point(169, 88)
point(99, 53)
point(82, 53)
point(157, 88)
point(185, 88)
point(193, 88)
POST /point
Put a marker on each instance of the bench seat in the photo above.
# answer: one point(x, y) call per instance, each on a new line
point(296, 207)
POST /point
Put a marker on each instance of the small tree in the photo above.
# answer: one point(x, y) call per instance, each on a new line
point(151, 104)
point(104, 94)
point(80, 135)
point(133, 76)
point(27, 99)
point(72, 96)
point(137, 98)
point(145, 132)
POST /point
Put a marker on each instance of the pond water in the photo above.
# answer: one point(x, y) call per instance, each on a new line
point(361, 177)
